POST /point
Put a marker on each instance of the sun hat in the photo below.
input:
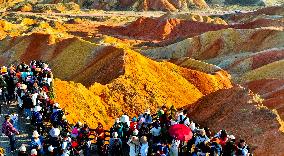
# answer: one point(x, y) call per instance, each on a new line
point(23, 86)
point(35, 134)
point(23, 148)
point(232, 137)
point(147, 111)
point(33, 151)
point(56, 105)
point(50, 148)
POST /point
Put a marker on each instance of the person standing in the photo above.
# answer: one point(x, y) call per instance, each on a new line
point(9, 130)
point(37, 143)
point(23, 151)
point(144, 146)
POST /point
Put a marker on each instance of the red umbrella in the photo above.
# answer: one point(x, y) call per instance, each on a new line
point(180, 132)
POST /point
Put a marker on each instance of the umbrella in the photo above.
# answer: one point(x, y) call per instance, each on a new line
point(180, 132)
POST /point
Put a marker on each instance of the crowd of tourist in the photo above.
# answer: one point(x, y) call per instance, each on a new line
point(147, 134)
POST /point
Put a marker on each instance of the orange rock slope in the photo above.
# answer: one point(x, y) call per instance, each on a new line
point(241, 114)
point(128, 81)
point(143, 84)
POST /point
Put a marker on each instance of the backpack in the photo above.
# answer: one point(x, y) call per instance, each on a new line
point(182, 121)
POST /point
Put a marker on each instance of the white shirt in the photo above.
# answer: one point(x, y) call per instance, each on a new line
point(34, 97)
point(156, 131)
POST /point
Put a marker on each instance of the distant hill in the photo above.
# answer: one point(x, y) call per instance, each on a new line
point(132, 5)
point(247, 2)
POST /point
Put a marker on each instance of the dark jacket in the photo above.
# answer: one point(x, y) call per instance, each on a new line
point(27, 102)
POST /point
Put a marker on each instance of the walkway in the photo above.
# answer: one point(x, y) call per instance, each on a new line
point(25, 128)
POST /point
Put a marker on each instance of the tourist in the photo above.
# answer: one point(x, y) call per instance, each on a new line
point(37, 119)
point(66, 143)
point(9, 130)
point(134, 146)
point(37, 143)
point(54, 138)
point(156, 132)
point(33, 152)
point(216, 148)
point(115, 145)
point(201, 138)
point(50, 151)
point(22, 151)
point(243, 149)
point(144, 131)
point(230, 147)
point(100, 132)
point(174, 147)
point(144, 146)
point(27, 104)
point(75, 130)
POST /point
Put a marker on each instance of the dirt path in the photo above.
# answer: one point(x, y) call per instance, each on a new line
point(23, 125)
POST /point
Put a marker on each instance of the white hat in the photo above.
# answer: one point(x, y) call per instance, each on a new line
point(23, 148)
point(56, 105)
point(50, 148)
point(147, 111)
point(124, 118)
point(33, 151)
point(37, 108)
point(135, 132)
point(115, 134)
point(117, 120)
point(231, 137)
point(23, 86)
point(35, 134)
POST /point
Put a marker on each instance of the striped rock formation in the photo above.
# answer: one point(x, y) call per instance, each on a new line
point(236, 111)
point(116, 79)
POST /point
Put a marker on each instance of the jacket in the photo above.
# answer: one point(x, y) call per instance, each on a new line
point(8, 129)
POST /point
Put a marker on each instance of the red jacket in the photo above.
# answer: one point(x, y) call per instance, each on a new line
point(8, 129)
